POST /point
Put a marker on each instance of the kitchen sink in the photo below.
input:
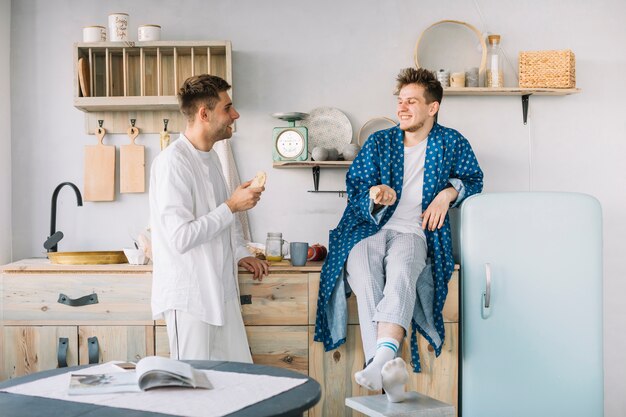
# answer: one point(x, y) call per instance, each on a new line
point(87, 258)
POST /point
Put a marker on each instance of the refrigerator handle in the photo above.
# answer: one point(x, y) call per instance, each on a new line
point(486, 298)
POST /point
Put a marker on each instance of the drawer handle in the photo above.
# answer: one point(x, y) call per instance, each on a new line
point(245, 299)
point(288, 359)
point(93, 349)
point(78, 302)
point(62, 352)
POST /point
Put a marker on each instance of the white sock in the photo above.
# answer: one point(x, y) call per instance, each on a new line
point(371, 377)
point(395, 377)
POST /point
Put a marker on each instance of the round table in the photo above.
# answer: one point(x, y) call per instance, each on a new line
point(289, 403)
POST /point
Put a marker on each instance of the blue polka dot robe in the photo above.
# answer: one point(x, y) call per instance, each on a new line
point(449, 161)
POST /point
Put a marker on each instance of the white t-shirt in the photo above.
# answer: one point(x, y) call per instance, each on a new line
point(406, 218)
point(219, 188)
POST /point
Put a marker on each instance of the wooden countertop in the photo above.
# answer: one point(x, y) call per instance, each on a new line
point(44, 266)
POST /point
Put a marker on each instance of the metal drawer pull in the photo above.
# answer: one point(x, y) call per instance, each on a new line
point(487, 285)
point(245, 299)
point(62, 352)
point(486, 295)
point(93, 349)
point(78, 302)
point(288, 359)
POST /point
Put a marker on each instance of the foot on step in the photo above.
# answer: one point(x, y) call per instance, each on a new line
point(370, 377)
point(395, 377)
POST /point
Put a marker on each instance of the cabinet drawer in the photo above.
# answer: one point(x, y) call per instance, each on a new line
point(281, 346)
point(29, 349)
point(34, 298)
point(279, 299)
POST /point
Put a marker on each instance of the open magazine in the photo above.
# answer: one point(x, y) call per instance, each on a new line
point(150, 372)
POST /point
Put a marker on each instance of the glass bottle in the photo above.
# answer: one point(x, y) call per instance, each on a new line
point(274, 247)
point(494, 76)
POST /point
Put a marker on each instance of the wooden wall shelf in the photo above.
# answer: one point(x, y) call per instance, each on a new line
point(525, 93)
point(508, 91)
point(316, 168)
point(134, 79)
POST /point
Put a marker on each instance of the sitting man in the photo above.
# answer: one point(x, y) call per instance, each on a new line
point(400, 188)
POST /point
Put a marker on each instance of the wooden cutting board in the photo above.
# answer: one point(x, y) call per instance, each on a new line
point(84, 79)
point(99, 170)
point(132, 165)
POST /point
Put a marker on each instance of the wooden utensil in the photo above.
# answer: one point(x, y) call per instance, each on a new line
point(99, 170)
point(132, 165)
point(84, 77)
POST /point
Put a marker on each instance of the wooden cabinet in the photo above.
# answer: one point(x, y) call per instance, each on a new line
point(121, 80)
point(279, 313)
point(335, 370)
point(40, 316)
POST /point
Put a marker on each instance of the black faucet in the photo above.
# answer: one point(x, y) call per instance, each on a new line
point(51, 243)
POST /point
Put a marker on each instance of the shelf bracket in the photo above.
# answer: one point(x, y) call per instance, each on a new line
point(316, 178)
point(316, 183)
point(342, 193)
point(525, 100)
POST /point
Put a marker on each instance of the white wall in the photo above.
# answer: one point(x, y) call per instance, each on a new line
point(5, 127)
point(297, 55)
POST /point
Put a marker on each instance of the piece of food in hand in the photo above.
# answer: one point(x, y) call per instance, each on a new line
point(259, 180)
point(374, 191)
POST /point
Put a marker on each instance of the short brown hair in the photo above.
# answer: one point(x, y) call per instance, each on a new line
point(421, 76)
point(200, 90)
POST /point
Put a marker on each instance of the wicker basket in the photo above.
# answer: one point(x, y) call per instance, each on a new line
point(547, 69)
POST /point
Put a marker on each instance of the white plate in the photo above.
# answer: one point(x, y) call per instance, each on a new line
point(328, 127)
point(374, 125)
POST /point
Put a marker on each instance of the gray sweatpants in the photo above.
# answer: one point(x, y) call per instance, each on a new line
point(382, 271)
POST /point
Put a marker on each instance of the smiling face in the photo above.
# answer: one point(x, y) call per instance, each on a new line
point(221, 118)
point(413, 111)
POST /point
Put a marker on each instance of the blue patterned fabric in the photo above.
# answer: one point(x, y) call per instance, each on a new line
point(449, 160)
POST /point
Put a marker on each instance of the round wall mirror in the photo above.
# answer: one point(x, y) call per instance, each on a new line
point(451, 45)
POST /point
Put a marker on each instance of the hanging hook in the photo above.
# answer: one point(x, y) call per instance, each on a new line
point(132, 122)
point(165, 122)
point(100, 122)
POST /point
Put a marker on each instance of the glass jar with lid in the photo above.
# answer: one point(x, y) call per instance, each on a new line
point(495, 75)
point(274, 247)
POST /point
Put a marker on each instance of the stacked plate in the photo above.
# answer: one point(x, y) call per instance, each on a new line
point(328, 128)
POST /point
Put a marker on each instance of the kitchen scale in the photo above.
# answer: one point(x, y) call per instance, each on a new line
point(291, 142)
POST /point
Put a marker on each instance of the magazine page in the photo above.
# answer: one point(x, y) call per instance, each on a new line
point(103, 383)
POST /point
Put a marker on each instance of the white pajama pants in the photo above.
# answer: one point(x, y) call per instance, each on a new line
point(193, 339)
point(382, 271)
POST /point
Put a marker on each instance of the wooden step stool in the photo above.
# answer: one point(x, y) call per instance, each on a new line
point(416, 405)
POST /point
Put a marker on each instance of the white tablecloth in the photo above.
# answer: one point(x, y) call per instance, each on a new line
point(231, 392)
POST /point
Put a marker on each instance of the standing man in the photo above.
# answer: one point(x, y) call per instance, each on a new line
point(400, 187)
point(197, 241)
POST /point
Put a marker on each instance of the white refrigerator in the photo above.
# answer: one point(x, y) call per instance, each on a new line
point(531, 305)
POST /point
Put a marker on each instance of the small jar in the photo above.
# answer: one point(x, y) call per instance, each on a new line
point(147, 33)
point(274, 247)
point(94, 34)
point(118, 27)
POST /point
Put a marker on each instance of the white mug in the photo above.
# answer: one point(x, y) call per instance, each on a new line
point(118, 27)
point(94, 34)
point(149, 33)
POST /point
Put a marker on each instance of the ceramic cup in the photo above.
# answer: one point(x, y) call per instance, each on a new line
point(299, 252)
point(94, 34)
point(118, 27)
point(471, 77)
point(457, 79)
point(444, 77)
point(147, 33)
